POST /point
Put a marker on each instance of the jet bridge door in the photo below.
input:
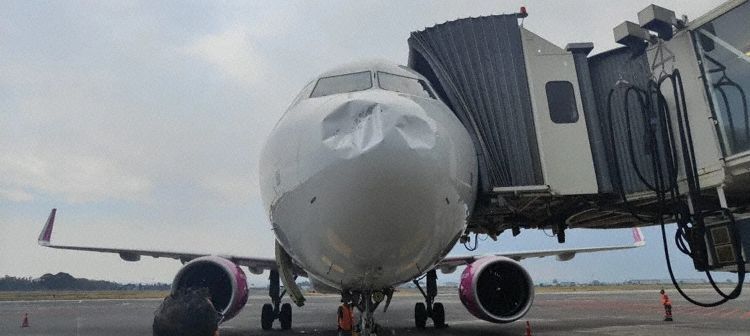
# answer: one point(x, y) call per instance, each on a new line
point(564, 149)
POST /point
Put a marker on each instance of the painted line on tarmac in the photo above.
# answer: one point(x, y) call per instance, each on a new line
point(715, 311)
point(463, 322)
point(624, 291)
point(724, 313)
point(731, 312)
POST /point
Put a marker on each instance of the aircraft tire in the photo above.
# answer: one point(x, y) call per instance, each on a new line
point(438, 315)
point(420, 315)
point(266, 317)
point(285, 316)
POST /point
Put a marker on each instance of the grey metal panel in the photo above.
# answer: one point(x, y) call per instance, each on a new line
point(606, 69)
point(477, 68)
point(596, 140)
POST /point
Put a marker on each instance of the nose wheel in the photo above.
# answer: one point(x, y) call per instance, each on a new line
point(429, 308)
point(422, 314)
point(275, 310)
point(366, 302)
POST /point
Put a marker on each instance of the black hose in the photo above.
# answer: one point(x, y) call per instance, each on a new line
point(476, 244)
point(614, 164)
point(661, 146)
point(693, 181)
point(631, 148)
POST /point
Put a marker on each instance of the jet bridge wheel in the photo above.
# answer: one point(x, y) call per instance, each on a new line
point(420, 315)
point(267, 317)
point(285, 316)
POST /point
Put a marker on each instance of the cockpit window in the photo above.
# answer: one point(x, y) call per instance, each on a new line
point(303, 94)
point(357, 81)
point(408, 85)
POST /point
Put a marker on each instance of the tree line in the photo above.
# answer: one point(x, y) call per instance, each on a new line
point(65, 281)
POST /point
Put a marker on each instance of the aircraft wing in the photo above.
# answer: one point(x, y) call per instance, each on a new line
point(255, 265)
point(449, 263)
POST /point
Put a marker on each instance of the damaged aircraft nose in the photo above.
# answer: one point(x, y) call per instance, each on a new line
point(356, 126)
point(369, 161)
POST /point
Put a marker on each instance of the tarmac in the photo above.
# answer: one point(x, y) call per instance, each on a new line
point(578, 313)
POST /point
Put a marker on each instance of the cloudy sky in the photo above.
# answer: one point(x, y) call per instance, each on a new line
point(143, 121)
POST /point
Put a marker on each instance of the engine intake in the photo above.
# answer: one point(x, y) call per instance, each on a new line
point(225, 281)
point(496, 289)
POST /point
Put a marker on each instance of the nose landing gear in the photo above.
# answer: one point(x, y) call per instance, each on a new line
point(366, 302)
point(429, 308)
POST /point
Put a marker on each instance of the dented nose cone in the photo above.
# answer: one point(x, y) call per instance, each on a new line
point(368, 189)
point(354, 127)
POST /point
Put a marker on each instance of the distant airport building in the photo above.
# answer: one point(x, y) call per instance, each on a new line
point(646, 282)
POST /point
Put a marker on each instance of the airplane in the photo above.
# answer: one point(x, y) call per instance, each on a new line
point(367, 179)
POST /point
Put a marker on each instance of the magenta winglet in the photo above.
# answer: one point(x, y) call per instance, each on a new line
point(46, 234)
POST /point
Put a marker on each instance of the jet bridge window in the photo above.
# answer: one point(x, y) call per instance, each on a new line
point(408, 85)
point(724, 46)
point(561, 100)
point(352, 82)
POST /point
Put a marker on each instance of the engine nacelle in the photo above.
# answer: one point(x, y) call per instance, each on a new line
point(225, 281)
point(496, 289)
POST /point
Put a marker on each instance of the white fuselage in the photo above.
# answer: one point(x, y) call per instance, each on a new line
point(371, 188)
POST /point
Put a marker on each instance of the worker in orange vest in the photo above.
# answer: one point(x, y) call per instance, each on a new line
point(667, 303)
point(345, 319)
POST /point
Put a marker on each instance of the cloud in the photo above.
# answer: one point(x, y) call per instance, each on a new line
point(75, 178)
point(15, 195)
point(232, 52)
point(231, 189)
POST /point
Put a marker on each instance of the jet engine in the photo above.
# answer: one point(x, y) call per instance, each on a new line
point(224, 280)
point(496, 289)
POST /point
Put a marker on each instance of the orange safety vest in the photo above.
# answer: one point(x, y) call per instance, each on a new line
point(345, 318)
point(665, 300)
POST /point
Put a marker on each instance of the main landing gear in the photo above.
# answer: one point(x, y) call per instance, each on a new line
point(276, 310)
point(429, 308)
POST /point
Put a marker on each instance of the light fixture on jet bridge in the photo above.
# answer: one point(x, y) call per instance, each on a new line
point(522, 13)
point(632, 36)
point(658, 20)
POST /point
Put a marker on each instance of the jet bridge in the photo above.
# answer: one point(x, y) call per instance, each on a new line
point(657, 130)
point(535, 119)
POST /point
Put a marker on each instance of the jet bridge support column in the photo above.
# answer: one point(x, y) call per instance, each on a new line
point(580, 53)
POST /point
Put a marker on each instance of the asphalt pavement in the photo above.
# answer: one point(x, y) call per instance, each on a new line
point(580, 313)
